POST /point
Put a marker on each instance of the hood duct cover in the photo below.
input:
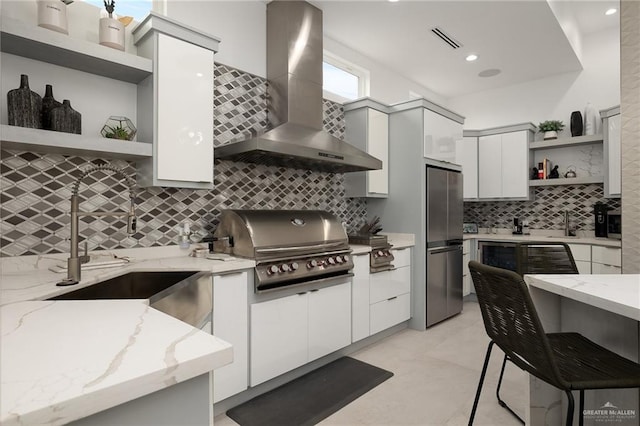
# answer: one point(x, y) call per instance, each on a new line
point(294, 93)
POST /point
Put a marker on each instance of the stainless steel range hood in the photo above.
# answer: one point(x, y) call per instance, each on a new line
point(294, 94)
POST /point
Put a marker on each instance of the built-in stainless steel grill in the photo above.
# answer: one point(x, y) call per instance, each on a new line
point(290, 247)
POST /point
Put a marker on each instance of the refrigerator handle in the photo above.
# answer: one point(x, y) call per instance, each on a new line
point(444, 250)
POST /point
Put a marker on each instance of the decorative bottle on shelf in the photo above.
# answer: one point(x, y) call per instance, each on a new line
point(576, 123)
point(48, 105)
point(66, 119)
point(591, 119)
point(24, 107)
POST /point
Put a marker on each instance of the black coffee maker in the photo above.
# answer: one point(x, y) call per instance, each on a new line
point(600, 212)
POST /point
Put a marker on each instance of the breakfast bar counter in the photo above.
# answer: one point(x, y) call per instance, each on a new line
point(603, 308)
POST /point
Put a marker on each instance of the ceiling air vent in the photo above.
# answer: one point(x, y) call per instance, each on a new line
point(446, 38)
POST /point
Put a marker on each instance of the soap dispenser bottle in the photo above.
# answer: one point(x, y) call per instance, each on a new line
point(184, 233)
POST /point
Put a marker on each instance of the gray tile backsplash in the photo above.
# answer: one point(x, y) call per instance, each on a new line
point(36, 187)
point(545, 211)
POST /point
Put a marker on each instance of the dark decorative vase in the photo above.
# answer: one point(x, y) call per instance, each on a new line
point(48, 105)
point(24, 107)
point(66, 119)
point(576, 123)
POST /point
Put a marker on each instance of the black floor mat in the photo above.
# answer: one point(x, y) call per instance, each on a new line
point(313, 397)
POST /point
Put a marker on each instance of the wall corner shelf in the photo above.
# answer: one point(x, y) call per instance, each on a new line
point(566, 142)
point(44, 45)
point(48, 141)
point(567, 181)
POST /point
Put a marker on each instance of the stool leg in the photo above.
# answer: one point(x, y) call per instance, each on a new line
point(484, 371)
point(570, 408)
point(500, 401)
point(581, 416)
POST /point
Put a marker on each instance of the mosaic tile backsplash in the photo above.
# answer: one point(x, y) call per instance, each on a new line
point(35, 188)
point(545, 211)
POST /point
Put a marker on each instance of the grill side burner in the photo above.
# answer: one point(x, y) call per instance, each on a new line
point(290, 247)
point(380, 257)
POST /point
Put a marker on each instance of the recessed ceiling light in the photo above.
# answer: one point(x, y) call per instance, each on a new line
point(611, 11)
point(393, 1)
point(471, 57)
point(489, 73)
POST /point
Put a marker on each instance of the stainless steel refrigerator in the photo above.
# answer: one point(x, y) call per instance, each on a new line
point(444, 216)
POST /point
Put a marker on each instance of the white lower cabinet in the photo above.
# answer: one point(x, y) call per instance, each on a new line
point(360, 298)
point(230, 323)
point(390, 294)
point(329, 320)
point(466, 275)
point(390, 312)
point(606, 260)
point(288, 332)
point(582, 256)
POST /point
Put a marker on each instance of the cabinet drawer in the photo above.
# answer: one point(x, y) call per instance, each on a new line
point(390, 312)
point(581, 252)
point(583, 266)
point(387, 284)
point(606, 255)
point(401, 257)
point(466, 247)
point(599, 268)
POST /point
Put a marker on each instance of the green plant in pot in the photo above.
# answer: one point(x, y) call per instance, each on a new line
point(550, 129)
point(120, 128)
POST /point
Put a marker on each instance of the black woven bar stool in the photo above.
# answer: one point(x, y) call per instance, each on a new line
point(542, 257)
point(568, 361)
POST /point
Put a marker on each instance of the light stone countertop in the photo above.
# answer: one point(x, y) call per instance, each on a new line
point(62, 361)
point(619, 294)
point(551, 237)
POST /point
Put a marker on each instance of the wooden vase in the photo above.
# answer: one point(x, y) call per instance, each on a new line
point(66, 119)
point(48, 105)
point(24, 107)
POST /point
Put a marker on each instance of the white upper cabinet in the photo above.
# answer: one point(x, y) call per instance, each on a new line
point(440, 136)
point(367, 128)
point(503, 164)
point(177, 104)
point(467, 157)
point(613, 177)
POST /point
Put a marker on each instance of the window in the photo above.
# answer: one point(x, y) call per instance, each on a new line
point(343, 81)
point(137, 9)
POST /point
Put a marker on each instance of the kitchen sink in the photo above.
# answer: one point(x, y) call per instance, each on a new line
point(185, 295)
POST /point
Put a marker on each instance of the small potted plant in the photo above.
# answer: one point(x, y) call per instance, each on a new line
point(120, 128)
point(111, 32)
point(550, 129)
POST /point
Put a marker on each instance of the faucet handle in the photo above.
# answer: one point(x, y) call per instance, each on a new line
point(86, 258)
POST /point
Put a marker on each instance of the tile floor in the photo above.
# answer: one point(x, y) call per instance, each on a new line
point(435, 377)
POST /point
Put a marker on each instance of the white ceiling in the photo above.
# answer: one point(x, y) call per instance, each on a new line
point(524, 39)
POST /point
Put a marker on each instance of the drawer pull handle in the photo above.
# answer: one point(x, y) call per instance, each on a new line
point(391, 298)
point(302, 294)
point(314, 290)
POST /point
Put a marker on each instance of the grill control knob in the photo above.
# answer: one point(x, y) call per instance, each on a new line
point(339, 259)
point(379, 253)
point(284, 268)
point(331, 261)
point(273, 269)
point(312, 264)
point(294, 266)
point(345, 258)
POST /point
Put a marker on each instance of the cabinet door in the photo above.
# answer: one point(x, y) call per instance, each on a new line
point(490, 166)
point(378, 146)
point(600, 268)
point(440, 136)
point(230, 323)
point(613, 156)
point(185, 111)
point(279, 332)
point(467, 157)
point(360, 298)
point(515, 165)
point(329, 319)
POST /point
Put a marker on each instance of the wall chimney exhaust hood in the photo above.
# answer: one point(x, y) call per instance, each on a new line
point(294, 93)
